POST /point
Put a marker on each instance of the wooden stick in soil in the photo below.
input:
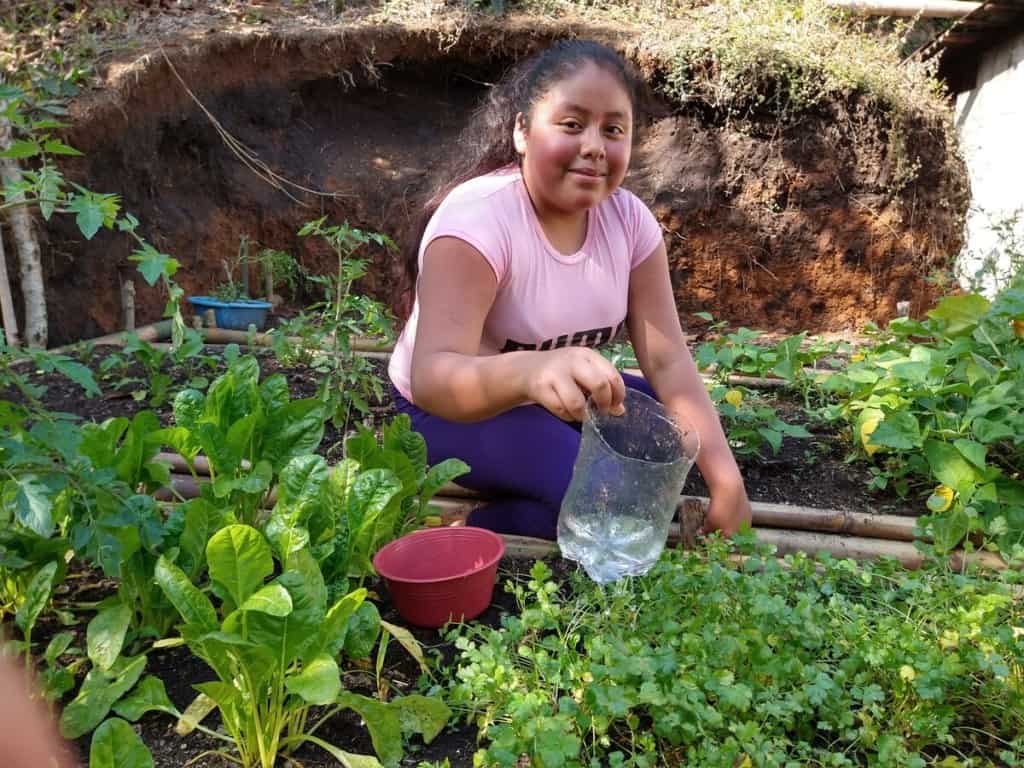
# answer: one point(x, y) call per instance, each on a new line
point(128, 304)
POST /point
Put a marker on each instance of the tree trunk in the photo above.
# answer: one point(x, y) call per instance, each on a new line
point(32, 291)
point(10, 319)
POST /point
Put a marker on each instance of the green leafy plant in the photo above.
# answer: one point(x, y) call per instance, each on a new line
point(749, 423)
point(347, 513)
point(283, 268)
point(115, 744)
point(156, 362)
point(938, 407)
point(349, 381)
point(57, 679)
point(706, 662)
point(792, 359)
point(232, 289)
point(247, 429)
point(274, 649)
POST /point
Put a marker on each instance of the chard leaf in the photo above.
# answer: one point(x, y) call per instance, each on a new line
point(195, 607)
point(106, 632)
point(298, 631)
point(363, 629)
point(272, 600)
point(371, 493)
point(363, 448)
point(382, 721)
point(346, 759)
point(202, 520)
point(439, 474)
point(37, 595)
point(195, 713)
point(294, 430)
point(239, 560)
point(302, 479)
point(425, 715)
point(407, 641)
point(318, 683)
point(148, 696)
point(274, 392)
point(335, 625)
point(98, 693)
point(240, 433)
point(115, 744)
point(188, 407)
point(214, 444)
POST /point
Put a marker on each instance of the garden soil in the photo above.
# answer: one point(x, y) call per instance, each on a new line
point(777, 227)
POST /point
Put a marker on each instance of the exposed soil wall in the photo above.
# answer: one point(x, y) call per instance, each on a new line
point(782, 228)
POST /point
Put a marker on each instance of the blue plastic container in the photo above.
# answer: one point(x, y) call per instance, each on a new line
point(236, 315)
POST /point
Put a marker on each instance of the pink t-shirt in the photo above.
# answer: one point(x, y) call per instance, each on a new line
point(545, 299)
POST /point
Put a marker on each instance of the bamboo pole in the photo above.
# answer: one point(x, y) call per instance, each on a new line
point(228, 336)
point(454, 511)
point(150, 333)
point(765, 515)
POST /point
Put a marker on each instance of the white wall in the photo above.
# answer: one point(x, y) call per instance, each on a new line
point(991, 123)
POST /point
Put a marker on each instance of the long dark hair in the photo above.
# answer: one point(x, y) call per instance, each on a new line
point(486, 143)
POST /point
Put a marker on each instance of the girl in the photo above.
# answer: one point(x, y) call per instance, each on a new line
point(528, 259)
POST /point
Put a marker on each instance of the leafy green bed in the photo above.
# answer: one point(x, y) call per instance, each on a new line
point(719, 660)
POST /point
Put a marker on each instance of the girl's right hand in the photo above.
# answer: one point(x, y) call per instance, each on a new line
point(561, 379)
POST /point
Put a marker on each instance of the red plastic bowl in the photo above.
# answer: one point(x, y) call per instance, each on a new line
point(441, 574)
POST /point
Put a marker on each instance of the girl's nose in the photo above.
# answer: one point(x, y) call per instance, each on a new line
point(592, 144)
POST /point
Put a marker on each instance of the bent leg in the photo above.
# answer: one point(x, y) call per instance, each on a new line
point(525, 455)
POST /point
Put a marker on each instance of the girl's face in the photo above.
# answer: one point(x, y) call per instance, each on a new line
point(576, 149)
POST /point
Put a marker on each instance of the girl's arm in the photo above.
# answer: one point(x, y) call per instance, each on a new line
point(667, 364)
point(452, 380)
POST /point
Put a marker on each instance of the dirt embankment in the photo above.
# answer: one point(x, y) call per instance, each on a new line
point(769, 227)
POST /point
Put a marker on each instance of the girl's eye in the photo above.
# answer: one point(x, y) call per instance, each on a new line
point(615, 130)
point(571, 124)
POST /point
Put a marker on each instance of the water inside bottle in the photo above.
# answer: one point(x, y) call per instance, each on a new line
point(626, 483)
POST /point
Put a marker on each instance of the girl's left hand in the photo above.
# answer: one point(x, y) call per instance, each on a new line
point(729, 509)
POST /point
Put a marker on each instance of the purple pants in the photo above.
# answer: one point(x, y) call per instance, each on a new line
point(524, 455)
